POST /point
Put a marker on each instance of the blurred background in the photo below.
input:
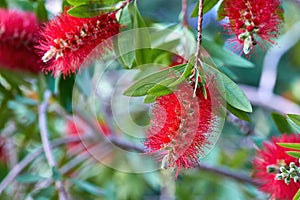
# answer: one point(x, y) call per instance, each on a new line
point(272, 84)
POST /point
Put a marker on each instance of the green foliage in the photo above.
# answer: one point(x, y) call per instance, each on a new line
point(281, 123)
point(142, 86)
point(3, 4)
point(295, 146)
point(297, 195)
point(89, 10)
point(206, 7)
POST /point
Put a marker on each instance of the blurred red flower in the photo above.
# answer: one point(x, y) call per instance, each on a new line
point(66, 41)
point(80, 128)
point(18, 35)
point(267, 163)
point(252, 19)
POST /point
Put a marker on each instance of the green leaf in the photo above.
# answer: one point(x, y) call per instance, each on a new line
point(149, 99)
point(141, 87)
point(162, 88)
point(297, 195)
point(89, 10)
point(221, 11)
point(294, 118)
point(208, 4)
point(281, 123)
point(41, 11)
point(29, 178)
point(234, 95)
point(3, 4)
point(88, 187)
point(225, 56)
point(82, 2)
point(238, 113)
point(66, 91)
point(295, 154)
point(187, 72)
point(141, 37)
point(294, 146)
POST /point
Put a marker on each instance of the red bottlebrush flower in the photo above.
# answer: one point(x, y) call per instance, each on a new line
point(18, 35)
point(79, 128)
point(252, 19)
point(66, 41)
point(269, 164)
point(181, 127)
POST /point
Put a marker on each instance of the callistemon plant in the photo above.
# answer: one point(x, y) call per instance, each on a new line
point(18, 35)
point(181, 127)
point(276, 171)
point(253, 21)
point(67, 41)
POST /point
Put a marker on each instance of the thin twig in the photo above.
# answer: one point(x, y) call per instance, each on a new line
point(18, 168)
point(184, 12)
point(227, 173)
point(199, 36)
point(138, 148)
point(63, 195)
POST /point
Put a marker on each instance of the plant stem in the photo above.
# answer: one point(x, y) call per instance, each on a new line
point(184, 12)
point(63, 195)
point(18, 168)
point(199, 37)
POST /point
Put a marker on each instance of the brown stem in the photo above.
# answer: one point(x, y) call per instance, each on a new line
point(184, 12)
point(199, 37)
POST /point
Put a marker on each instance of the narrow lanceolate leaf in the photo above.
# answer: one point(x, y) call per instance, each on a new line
point(187, 72)
point(234, 96)
point(294, 118)
point(150, 99)
point(295, 154)
point(141, 87)
point(206, 7)
point(238, 113)
point(281, 123)
point(294, 146)
point(89, 10)
point(162, 88)
point(82, 2)
point(297, 195)
point(221, 11)
point(141, 36)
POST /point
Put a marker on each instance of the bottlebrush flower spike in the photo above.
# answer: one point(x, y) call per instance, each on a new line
point(181, 127)
point(251, 20)
point(269, 164)
point(18, 35)
point(66, 41)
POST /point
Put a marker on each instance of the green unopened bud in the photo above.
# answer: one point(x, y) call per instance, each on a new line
point(283, 170)
point(287, 180)
point(292, 165)
point(272, 169)
point(279, 177)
